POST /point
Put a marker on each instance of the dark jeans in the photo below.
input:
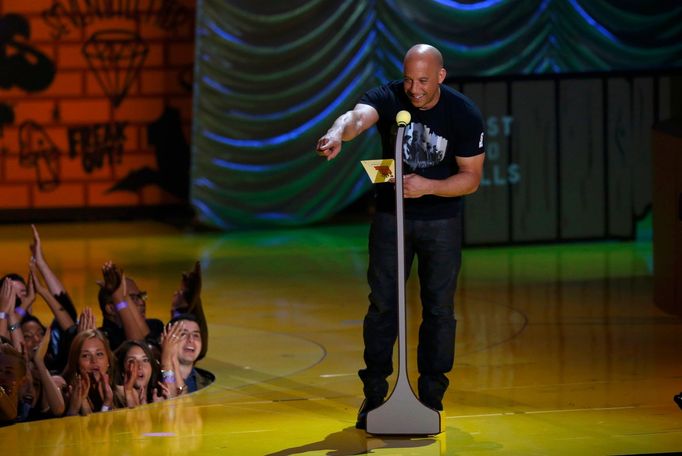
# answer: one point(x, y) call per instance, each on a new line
point(437, 245)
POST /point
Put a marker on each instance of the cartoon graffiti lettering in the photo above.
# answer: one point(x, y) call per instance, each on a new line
point(53, 18)
point(20, 64)
point(6, 116)
point(186, 77)
point(97, 143)
point(65, 15)
point(171, 15)
point(56, 113)
point(172, 159)
point(37, 150)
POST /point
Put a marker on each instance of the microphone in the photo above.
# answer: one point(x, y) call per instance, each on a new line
point(403, 118)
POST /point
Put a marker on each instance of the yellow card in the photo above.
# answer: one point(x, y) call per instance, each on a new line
point(379, 170)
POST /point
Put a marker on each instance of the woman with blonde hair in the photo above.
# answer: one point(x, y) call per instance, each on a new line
point(89, 374)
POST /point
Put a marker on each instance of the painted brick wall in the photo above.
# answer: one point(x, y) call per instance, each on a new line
point(93, 97)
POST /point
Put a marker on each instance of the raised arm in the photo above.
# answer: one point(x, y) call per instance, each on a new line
point(51, 280)
point(54, 285)
point(134, 326)
point(345, 128)
point(54, 397)
point(171, 343)
point(187, 299)
point(63, 318)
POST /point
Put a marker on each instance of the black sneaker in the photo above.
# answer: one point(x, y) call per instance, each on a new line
point(678, 400)
point(434, 403)
point(367, 405)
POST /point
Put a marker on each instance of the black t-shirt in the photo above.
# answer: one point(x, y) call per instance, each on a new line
point(60, 339)
point(433, 138)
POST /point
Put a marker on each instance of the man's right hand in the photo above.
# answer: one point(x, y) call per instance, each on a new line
point(346, 128)
point(328, 146)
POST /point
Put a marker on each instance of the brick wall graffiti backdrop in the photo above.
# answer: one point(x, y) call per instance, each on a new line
point(87, 89)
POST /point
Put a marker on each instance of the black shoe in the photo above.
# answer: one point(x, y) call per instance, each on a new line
point(678, 400)
point(367, 405)
point(434, 403)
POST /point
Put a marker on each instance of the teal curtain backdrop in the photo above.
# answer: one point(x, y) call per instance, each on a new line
point(271, 76)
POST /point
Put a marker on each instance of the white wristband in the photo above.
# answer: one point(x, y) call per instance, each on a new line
point(3, 315)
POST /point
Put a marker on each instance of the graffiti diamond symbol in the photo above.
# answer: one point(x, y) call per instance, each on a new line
point(115, 56)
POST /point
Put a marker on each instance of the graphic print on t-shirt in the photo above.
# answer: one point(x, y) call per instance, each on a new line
point(422, 148)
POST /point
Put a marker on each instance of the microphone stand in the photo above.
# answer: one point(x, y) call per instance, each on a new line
point(402, 413)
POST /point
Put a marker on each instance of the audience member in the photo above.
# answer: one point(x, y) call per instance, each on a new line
point(122, 321)
point(137, 375)
point(12, 376)
point(33, 331)
point(89, 374)
point(59, 302)
point(187, 300)
point(45, 399)
point(180, 350)
point(153, 362)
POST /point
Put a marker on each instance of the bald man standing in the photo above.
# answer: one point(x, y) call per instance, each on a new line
point(443, 161)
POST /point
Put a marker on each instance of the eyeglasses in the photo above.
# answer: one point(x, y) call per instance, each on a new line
point(141, 296)
point(30, 334)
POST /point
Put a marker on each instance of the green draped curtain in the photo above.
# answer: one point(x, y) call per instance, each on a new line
point(272, 76)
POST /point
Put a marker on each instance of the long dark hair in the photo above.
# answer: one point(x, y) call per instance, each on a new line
point(13, 276)
point(121, 352)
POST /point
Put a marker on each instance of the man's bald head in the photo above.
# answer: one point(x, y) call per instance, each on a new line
point(425, 51)
point(423, 73)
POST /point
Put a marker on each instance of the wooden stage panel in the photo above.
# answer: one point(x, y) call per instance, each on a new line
point(560, 349)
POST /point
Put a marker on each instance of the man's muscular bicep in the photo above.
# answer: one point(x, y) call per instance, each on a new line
point(471, 167)
point(364, 117)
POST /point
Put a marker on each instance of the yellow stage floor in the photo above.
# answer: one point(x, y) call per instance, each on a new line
point(560, 349)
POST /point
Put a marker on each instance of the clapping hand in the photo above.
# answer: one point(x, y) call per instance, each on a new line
point(134, 396)
point(29, 298)
point(35, 282)
point(39, 352)
point(7, 296)
point(191, 282)
point(36, 248)
point(113, 277)
point(86, 320)
point(78, 396)
point(102, 386)
point(163, 395)
point(171, 341)
point(184, 299)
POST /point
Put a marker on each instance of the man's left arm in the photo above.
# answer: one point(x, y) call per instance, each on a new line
point(466, 180)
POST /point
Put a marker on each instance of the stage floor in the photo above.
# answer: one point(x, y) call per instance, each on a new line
point(560, 349)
